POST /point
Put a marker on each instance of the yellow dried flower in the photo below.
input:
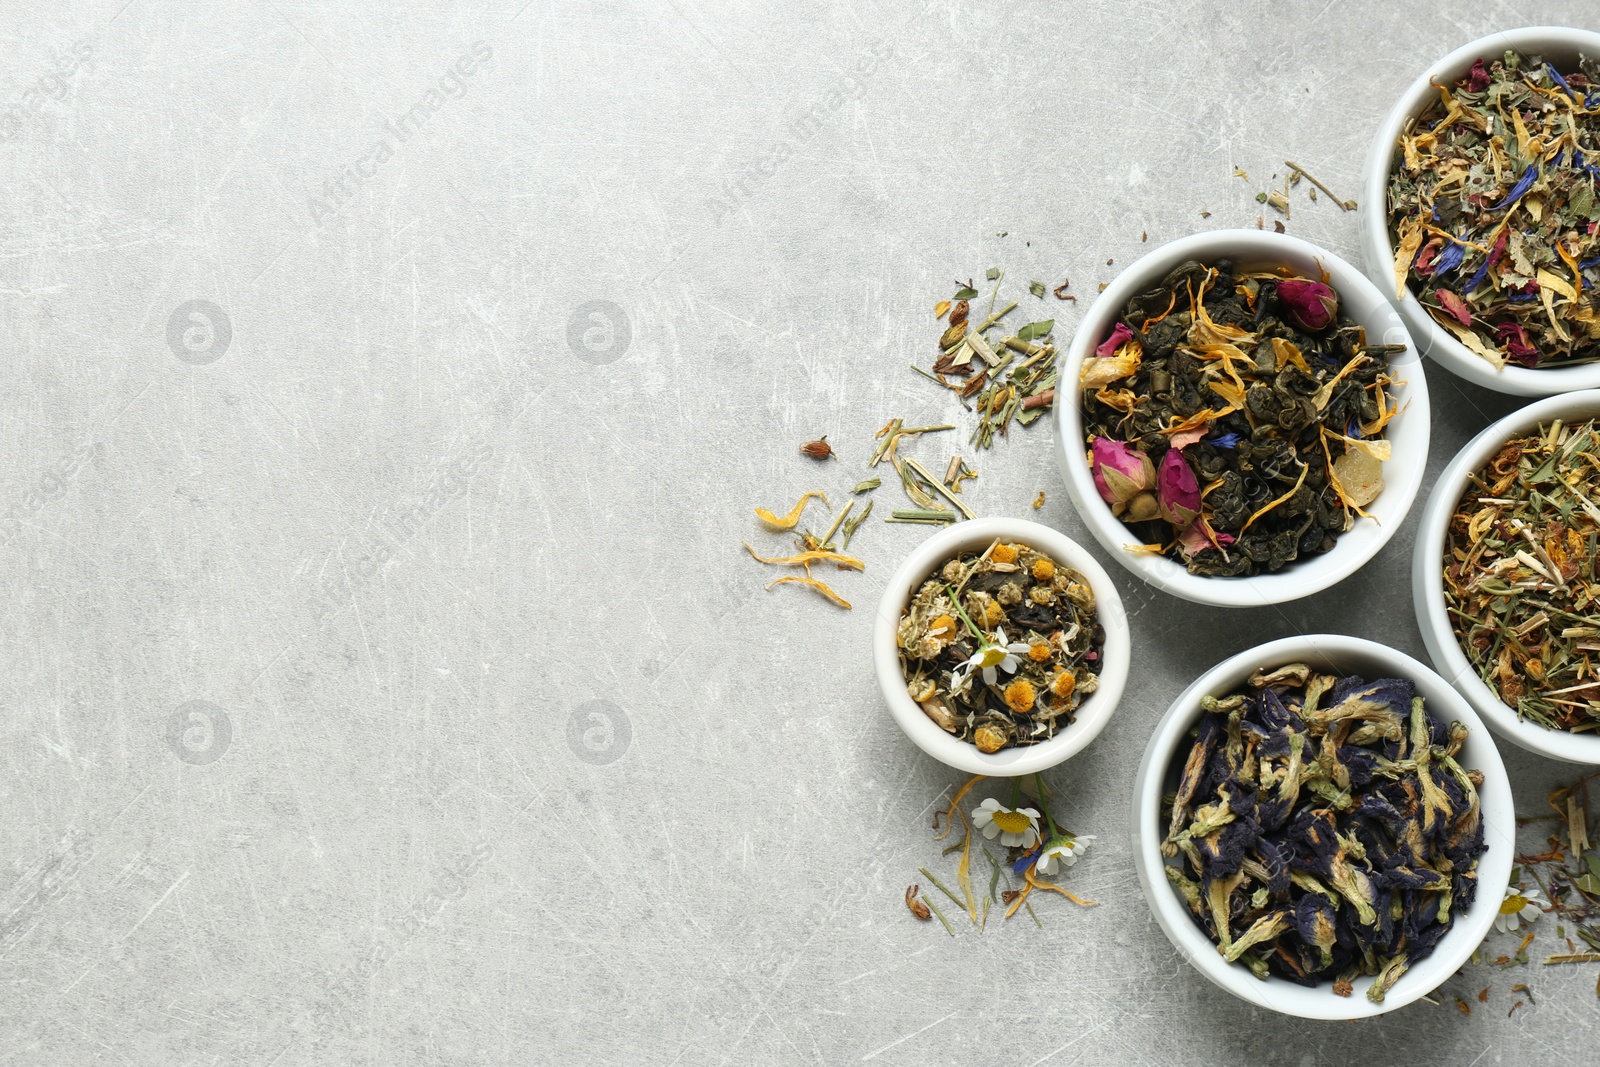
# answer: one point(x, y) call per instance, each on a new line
point(1004, 554)
point(993, 613)
point(1020, 696)
point(943, 627)
point(989, 738)
point(1039, 652)
point(1063, 684)
point(1043, 569)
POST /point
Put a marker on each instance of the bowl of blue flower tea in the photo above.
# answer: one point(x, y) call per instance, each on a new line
point(1323, 827)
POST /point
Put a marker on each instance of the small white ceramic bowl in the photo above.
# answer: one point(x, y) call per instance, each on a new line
point(1427, 579)
point(1096, 710)
point(1558, 45)
point(1342, 655)
point(1408, 431)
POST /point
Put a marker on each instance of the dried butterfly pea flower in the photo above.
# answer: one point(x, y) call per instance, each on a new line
point(1321, 827)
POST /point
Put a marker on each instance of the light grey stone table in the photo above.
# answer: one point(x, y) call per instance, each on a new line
point(385, 385)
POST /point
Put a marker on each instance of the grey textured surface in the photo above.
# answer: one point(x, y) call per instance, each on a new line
point(419, 508)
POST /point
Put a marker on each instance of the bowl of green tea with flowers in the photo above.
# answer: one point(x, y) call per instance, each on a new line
point(1248, 423)
point(1001, 647)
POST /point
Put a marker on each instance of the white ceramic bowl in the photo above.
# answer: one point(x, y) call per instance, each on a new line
point(1427, 579)
point(1096, 710)
point(1560, 46)
point(1158, 774)
point(1408, 431)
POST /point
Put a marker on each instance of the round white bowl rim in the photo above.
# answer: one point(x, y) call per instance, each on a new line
point(1373, 220)
point(1092, 716)
point(1277, 994)
point(1403, 474)
point(1428, 580)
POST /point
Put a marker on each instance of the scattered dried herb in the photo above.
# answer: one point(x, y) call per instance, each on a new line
point(918, 908)
point(820, 587)
point(1000, 648)
point(1520, 583)
point(1321, 827)
point(1296, 172)
point(1234, 420)
point(867, 486)
point(1493, 211)
point(818, 449)
point(1001, 372)
point(1038, 501)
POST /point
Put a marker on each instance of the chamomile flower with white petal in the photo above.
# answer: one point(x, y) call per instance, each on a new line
point(1063, 850)
point(994, 654)
point(1519, 906)
point(1014, 826)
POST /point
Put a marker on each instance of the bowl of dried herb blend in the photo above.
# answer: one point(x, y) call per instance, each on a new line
point(1481, 214)
point(1249, 423)
point(1313, 820)
point(1001, 647)
point(1505, 577)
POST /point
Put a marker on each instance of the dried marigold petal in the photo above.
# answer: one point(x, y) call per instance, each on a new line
point(820, 587)
point(788, 521)
point(805, 559)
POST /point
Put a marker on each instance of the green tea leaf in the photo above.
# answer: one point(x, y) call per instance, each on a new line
point(1593, 863)
point(1035, 330)
point(965, 293)
point(992, 273)
point(1037, 289)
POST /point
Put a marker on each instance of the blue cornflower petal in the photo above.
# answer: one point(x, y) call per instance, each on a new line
point(1227, 440)
point(1027, 860)
point(1524, 183)
point(1586, 264)
point(1559, 80)
point(1522, 298)
point(1477, 276)
point(1449, 259)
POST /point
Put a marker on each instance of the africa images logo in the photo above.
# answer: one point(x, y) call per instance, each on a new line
point(341, 189)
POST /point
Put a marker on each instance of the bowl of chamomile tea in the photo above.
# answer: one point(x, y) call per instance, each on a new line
point(1243, 419)
point(1506, 576)
point(1323, 827)
point(1479, 208)
point(1001, 647)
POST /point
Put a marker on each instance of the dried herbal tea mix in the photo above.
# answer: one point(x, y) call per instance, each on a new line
point(1322, 828)
point(1001, 647)
point(1008, 375)
point(1234, 420)
point(1036, 849)
point(1519, 579)
point(1493, 211)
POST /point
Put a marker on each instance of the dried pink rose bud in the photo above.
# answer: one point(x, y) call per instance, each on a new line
point(1176, 490)
point(1121, 472)
point(1119, 337)
point(1311, 305)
